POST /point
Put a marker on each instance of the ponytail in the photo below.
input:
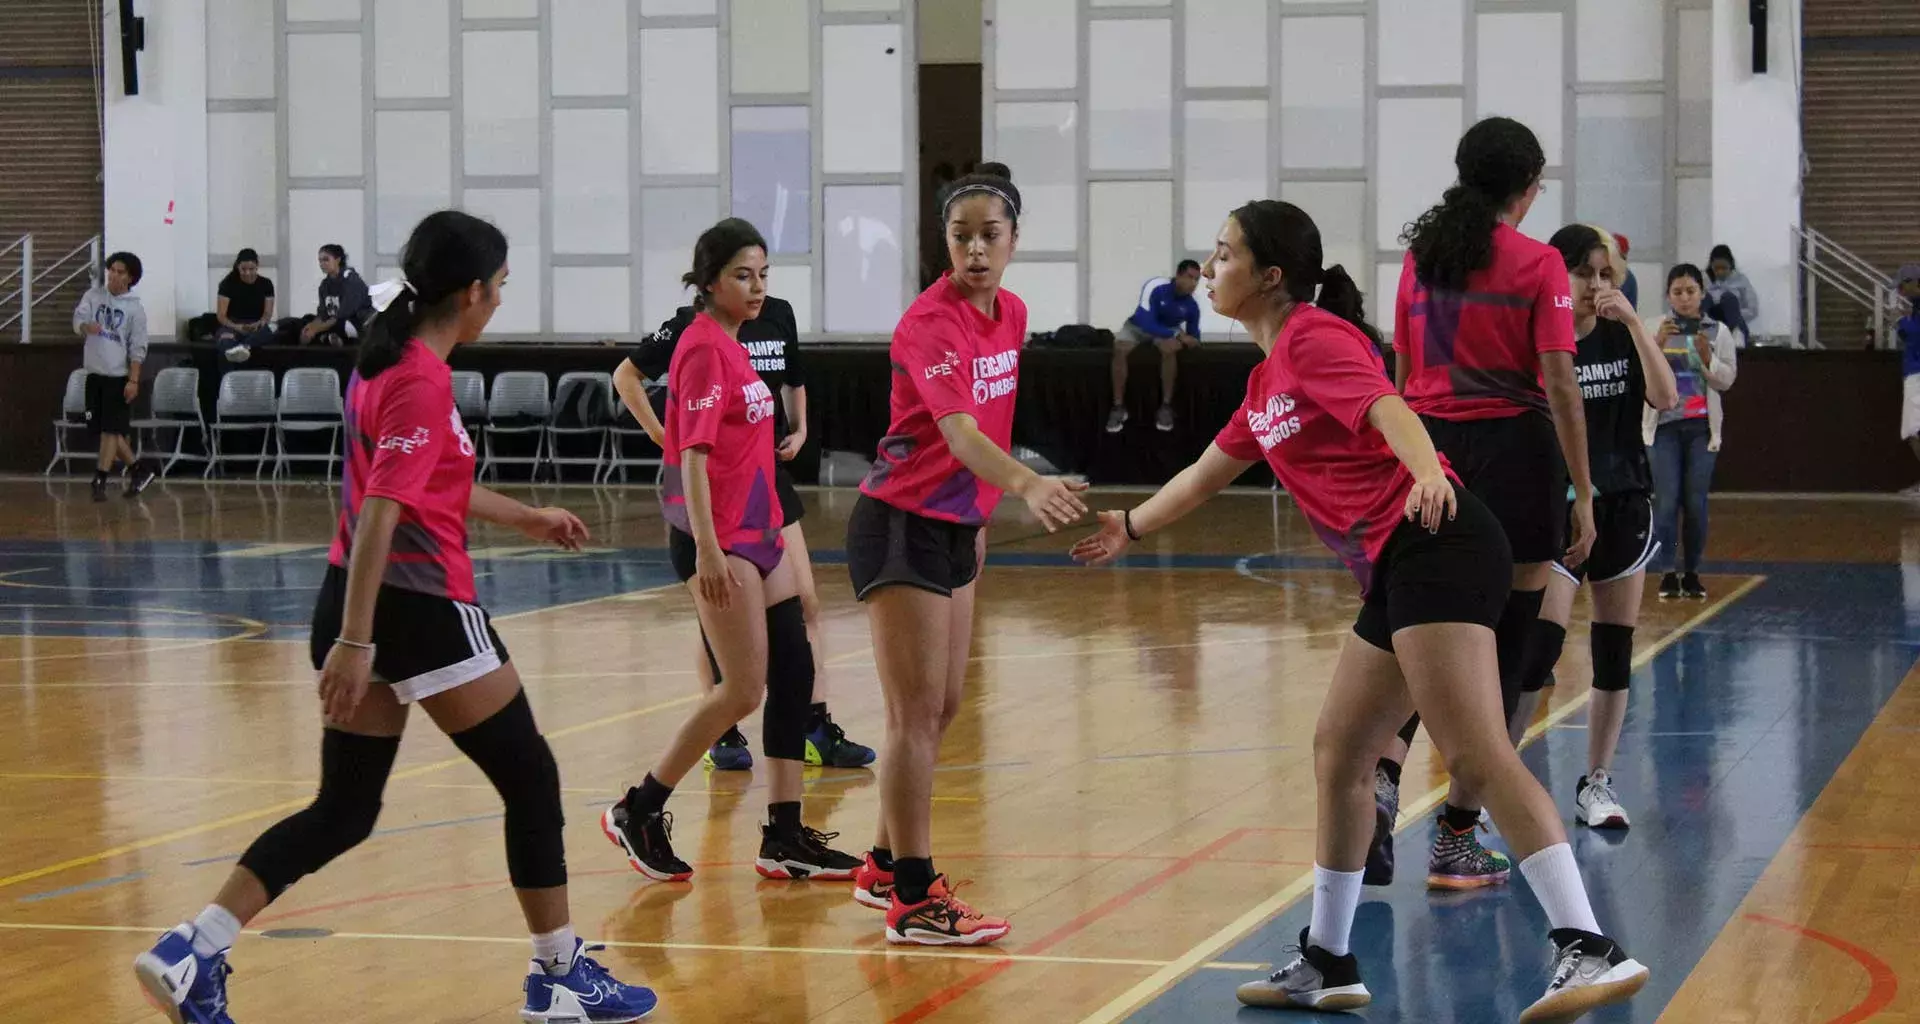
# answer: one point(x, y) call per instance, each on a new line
point(1498, 160)
point(447, 253)
point(387, 337)
point(1341, 296)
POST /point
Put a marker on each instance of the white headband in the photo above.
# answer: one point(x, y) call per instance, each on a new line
point(1012, 207)
point(383, 294)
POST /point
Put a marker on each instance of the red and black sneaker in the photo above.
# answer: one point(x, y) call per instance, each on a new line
point(941, 920)
point(647, 842)
point(873, 887)
point(803, 854)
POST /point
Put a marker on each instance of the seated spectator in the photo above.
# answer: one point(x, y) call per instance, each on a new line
point(345, 306)
point(1169, 319)
point(1909, 330)
point(1730, 296)
point(244, 308)
point(1630, 285)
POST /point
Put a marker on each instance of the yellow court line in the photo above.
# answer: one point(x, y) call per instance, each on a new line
point(1132, 999)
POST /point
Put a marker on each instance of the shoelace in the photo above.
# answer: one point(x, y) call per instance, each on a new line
point(1299, 958)
point(217, 1003)
point(817, 839)
point(1603, 790)
point(959, 905)
point(1564, 967)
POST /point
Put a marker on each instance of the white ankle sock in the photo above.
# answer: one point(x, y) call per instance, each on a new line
point(214, 930)
point(554, 949)
point(1336, 895)
point(1556, 883)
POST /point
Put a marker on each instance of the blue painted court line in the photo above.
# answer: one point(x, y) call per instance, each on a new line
point(1710, 813)
point(98, 883)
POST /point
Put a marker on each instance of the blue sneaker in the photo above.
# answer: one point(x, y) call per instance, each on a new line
point(586, 994)
point(828, 745)
point(187, 987)
point(729, 753)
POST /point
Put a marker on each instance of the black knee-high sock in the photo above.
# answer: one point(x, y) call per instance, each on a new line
point(1510, 640)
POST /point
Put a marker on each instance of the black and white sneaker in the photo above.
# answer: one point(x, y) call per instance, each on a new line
point(647, 842)
point(1314, 980)
point(1670, 587)
point(140, 478)
point(803, 854)
point(1386, 811)
point(1691, 588)
point(1589, 971)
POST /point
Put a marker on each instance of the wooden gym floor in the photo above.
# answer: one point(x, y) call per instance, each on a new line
point(1130, 780)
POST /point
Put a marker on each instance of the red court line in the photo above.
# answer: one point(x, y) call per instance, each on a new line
point(1885, 984)
point(935, 1002)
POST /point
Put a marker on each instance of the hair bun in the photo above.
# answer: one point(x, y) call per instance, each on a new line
point(995, 168)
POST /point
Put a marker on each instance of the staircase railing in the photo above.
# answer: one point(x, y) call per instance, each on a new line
point(20, 253)
point(33, 287)
point(1824, 261)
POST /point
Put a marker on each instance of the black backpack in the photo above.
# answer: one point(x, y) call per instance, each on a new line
point(1074, 336)
point(582, 402)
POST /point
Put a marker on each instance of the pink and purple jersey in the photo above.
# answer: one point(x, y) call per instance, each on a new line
point(720, 404)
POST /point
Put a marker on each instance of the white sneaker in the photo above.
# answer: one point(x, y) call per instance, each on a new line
point(1313, 980)
point(1589, 971)
point(1597, 806)
point(239, 354)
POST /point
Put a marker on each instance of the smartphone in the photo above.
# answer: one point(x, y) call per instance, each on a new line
point(1687, 325)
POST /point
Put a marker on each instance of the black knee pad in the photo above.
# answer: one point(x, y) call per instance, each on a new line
point(509, 748)
point(353, 775)
point(1612, 656)
point(1510, 642)
point(1407, 730)
point(789, 682)
point(1543, 652)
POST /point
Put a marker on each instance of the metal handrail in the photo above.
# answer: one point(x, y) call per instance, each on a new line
point(91, 246)
point(25, 292)
point(31, 293)
point(1857, 264)
point(1828, 262)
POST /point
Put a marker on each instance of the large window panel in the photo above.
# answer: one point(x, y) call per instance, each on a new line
point(1226, 164)
point(861, 119)
point(1417, 138)
point(500, 102)
point(1227, 43)
point(1422, 42)
point(323, 105)
point(1040, 143)
point(516, 212)
point(590, 175)
point(243, 208)
point(1624, 40)
point(413, 172)
point(1129, 240)
point(1036, 44)
point(670, 220)
point(675, 8)
point(237, 28)
point(317, 217)
point(837, 6)
point(1130, 90)
point(679, 101)
point(1521, 74)
point(865, 250)
point(410, 45)
point(1622, 154)
point(589, 56)
point(321, 10)
point(769, 49)
point(501, 8)
point(593, 300)
point(1340, 210)
point(1050, 290)
point(1549, 212)
point(1323, 92)
point(794, 283)
point(1694, 208)
point(1696, 87)
point(773, 174)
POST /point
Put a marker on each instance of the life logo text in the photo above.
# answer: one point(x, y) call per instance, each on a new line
point(945, 367)
point(1274, 423)
point(994, 376)
point(406, 444)
point(707, 401)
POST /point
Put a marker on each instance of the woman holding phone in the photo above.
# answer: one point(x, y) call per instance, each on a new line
point(1686, 439)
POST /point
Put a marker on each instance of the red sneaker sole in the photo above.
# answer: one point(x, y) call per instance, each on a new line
point(614, 837)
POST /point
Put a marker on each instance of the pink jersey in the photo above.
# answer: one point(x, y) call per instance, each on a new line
point(719, 403)
point(1306, 416)
point(405, 443)
point(948, 357)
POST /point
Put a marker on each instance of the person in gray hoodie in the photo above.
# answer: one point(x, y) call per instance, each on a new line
point(114, 325)
point(345, 306)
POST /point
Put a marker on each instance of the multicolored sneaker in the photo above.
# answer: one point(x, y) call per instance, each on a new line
point(1386, 811)
point(1459, 861)
point(828, 746)
point(873, 887)
point(803, 854)
point(647, 842)
point(1589, 971)
point(941, 920)
point(586, 994)
point(729, 753)
point(179, 982)
point(1315, 980)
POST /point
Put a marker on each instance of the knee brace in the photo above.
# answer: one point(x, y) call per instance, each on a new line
point(789, 682)
point(353, 774)
point(1612, 656)
point(509, 748)
point(1510, 643)
point(1543, 652)
point(1407, 730)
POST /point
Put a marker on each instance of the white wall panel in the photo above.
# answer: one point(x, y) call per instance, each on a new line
point(1130, 95)
point(410, 48)
point(765, 58)
point(515, 211)
point(592, 300)
point(1339, 209)
point(1522, 75)
point(1129, 240)
point(861, 122)
point(322, 10)
point(1549, 212)
point(675, 8)
point(772, 156)
point(1695, 101)
point(679, 101)
point(1039, 141)
point(589, 191)
point(317, 217)
point(240, 171)
point(1323, 91)
point(838, 6)
point(1050, 290)
point(500, 102)
point(671, 219)
point(1423, 42)
point(1225, 159)
point(1695, 213)
point(1386, 284)
point(1227, 43)
point(501, 8)
point(324, 105)
point(240, 50)
point(1623, 40)
point(1622, 164)
point(864, 259)
point(1416, 140)
point(1036, 44)
point(589, 55)
point(794, 283)
point(413, 172)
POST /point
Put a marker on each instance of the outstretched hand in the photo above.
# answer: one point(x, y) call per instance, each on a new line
point(1104, 547)
point(556, 526)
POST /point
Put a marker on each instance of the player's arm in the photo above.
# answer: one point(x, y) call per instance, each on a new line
point(631, 385)
point(1188, 490)
point(1054, 501)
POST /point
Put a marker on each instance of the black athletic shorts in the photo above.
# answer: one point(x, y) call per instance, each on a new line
point(887, 547)
point(108, 411)
point(423, 644)
point(1513, 465)
point(683, 552)
point(1623, 541)
point(791, 510)
point(1462, 573)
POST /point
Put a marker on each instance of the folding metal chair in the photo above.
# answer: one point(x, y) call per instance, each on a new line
point(73, 416)
point(517, 406)
point(622, 430)
point(245, 404)
point(566, 393)
point(176, 407)
point(309, 404)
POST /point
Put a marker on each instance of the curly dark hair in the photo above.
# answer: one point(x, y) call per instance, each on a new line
point(1497, 159)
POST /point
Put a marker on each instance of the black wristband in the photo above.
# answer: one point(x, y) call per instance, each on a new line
point(1126, 520)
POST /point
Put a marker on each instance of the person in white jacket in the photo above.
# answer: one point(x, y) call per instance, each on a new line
point(1686, 439)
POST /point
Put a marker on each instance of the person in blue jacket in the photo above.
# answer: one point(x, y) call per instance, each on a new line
point(1909, 330)
point(1169, 319)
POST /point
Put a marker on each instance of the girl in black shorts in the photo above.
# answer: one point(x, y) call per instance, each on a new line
point(1622, 372)
point(1434, 570)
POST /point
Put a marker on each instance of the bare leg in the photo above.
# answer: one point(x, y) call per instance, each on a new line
point(1169, 368)
point(107, 449)
point(912, 643)
point(1122, 348)
point(1367, 702)
point(1617, 602)
point(738, 634)
point(1529, 576)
